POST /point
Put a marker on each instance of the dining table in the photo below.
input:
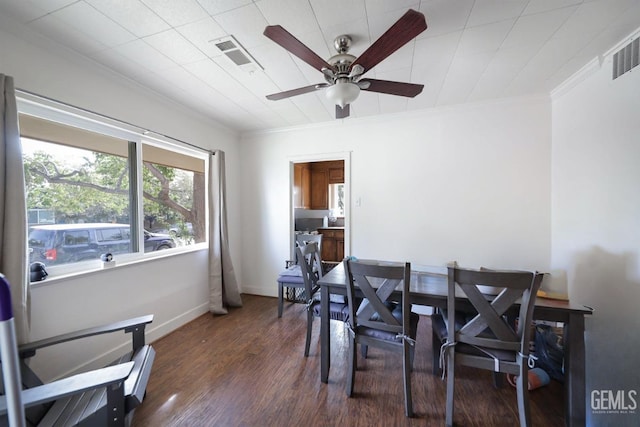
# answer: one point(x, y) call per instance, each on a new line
point(428, 287)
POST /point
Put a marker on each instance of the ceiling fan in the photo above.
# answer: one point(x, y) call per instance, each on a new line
point(343, 72)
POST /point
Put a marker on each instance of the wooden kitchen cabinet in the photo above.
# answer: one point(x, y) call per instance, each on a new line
point(319, 187)
point(336, 172)
point(340, 246)
point(311, 183)
point(323, 174)
point(302, 185)
point(332, 244)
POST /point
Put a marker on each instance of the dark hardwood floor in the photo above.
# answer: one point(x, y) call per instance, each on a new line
point(247, 369)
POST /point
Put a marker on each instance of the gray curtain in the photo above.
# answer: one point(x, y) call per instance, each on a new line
point(13, 210)
point(223, 286)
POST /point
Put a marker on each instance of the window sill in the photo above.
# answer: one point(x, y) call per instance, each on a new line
point(95, 267)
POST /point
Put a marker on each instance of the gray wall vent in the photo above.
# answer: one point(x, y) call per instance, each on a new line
point(626, 58)
point(233, 50)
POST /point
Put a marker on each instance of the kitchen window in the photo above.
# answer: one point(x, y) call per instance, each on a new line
point(336, 200)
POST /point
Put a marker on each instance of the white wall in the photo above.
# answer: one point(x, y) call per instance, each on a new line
point(470, 183)
point(173, 289)
point(596, 223)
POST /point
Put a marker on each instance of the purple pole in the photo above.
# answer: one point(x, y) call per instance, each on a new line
point(6, 312)
point(9, 356)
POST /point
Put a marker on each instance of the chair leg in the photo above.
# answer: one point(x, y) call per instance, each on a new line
point(522, 388)
point(450, 366)
point(412, 352)
point(364, 350)
point(307, 343)
point(406, 368)
point(435, 353)
point(352, 362)
point(280, 299)
point(498, 379)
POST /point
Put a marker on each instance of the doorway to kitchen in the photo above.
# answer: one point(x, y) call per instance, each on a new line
point(320, 196)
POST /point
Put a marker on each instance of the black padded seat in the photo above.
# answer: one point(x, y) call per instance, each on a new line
point(290, 278)
point(337, 311)
point(414, 318)
point(440, 334)
point(287, 277)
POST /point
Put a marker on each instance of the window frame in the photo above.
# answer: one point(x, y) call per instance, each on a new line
point(50, 110)
point(334, 199)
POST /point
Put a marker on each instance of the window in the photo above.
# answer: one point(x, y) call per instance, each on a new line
point(179, 182)
point(336, 200)
point(74, 185)
point(101, 189)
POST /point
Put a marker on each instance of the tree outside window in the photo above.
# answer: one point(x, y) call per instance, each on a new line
point(77, 176)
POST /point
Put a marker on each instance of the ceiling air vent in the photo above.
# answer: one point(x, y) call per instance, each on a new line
point(236, 53)
point(626, 58)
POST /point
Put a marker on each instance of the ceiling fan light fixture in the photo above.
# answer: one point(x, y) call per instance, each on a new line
point(342, 93)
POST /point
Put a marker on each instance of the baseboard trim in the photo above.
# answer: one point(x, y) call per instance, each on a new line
point(153, 333)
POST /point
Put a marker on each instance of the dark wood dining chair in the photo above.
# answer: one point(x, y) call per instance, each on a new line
point(491, 340)
point(379, 322)
point(291, 278)
point(308, 257)
point(305, 238)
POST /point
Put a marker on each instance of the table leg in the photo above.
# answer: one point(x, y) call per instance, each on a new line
point(574, 359)
point(325, 342)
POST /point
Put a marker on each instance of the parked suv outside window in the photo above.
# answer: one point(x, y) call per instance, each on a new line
point(67, 243)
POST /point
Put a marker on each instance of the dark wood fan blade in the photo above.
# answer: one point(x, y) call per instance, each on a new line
point(342, 112)
point(295, 46)
point(406, 28)
point(392, 88)
point(294, 92)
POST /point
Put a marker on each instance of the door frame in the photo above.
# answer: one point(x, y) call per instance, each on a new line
point(322, 157)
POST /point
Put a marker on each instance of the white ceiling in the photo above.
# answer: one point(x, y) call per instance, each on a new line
point(472, 50)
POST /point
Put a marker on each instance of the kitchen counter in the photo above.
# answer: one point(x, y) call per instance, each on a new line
point(332, 243)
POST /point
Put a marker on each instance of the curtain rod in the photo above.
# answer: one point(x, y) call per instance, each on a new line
point(142, 130)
